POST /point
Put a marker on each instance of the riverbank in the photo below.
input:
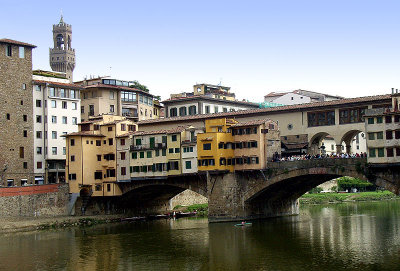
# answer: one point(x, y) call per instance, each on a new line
point(321, 198)
point(20, 224)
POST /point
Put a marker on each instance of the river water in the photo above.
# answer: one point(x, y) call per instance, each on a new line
point(351, 236)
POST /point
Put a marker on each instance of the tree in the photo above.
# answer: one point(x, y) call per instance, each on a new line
point(345, 183)
point(137, 85)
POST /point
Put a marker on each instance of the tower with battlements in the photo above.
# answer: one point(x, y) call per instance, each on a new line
point(62, 56)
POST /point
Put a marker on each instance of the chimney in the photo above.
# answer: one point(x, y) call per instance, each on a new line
point(392, 90)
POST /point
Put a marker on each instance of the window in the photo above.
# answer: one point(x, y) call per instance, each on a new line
point(123, 127)
point(82, 109)
point(72, 141)
point(174, 137)
point(215, 109)
point(389, 135)
point(39, 165)
point(192, 110)
point(123, 171)
point(64, 120)
point(38, 150)
point(397, 134)
point(38, 119)
point(99, 157)
point(64, 151)
point(389, 152)
point(54, 150)
point(207, 109)
point(38, 134)
point(321, 118)
point(24, 86)
point(170, 150)
point(111, 108)
point(108, 187)
point(110, 173)
point(73, 94)
point(52, 91)
point(388, 119)
point(182, 111)
point(98, 175)
point(53, 119)
point(149, 155)
point(109, 128)
point(74, 106)
point(207, 146)
point(177, 150)
point(62, 93)
point(25, 133)
point(157, 153)
point(122, 141)
point(381, 152)
point(74, 120)
point(134, 155)
point(21, 152)
point(64, 105)
point(72, 158)
point(379, 135)
point(371, 136)
point(370, 120)
point(142, 154)
point(122, 155)
point(72, 176)
point(164, 152)
point(25, 118)
point(8, 50)
point(8, 116)
point(91, 110)
point(173, 112)
point(188, 165)
point(54, 104)
point(38, 87)
point(54, 134)
point(353, 115)
point(379, 120)
point(38, 103)
point(111, 95)
point(110, 141)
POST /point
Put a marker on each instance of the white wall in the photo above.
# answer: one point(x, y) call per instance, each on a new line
point(292, 98)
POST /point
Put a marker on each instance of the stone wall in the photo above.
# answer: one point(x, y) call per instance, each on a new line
point(37, 200)
point(186, 198)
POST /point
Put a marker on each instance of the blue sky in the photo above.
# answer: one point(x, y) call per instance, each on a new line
point(348, 48)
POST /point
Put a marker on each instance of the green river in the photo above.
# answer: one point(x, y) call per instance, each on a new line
point(350, 236)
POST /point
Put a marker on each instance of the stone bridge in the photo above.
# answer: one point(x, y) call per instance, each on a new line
point(256, 194)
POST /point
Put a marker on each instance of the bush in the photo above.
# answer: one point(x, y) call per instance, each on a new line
point(315, 190)
point(345, 183)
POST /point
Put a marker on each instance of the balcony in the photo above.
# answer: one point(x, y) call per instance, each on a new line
point(155, 146)
point(190, 141)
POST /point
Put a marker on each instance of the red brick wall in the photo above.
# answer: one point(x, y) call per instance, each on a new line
point(28, 190)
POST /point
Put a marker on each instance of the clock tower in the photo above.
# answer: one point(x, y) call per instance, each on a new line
point(62, 56)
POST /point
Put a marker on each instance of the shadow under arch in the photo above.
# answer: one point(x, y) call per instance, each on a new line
point(315, 142)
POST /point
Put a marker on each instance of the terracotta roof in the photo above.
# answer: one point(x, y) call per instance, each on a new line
point(125, 134)
point(252, 123)
point(291, 146)
point(17, 43)
point(273, 110)
point(84, 133)
point(175, 130)
point(198, 97)
point(276, 94)
point(117, 87)
point(42, 82)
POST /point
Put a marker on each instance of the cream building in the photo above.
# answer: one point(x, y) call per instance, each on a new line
point(92, 156)
point(56, 104)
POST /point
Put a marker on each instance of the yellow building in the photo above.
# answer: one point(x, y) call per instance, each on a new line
point(229, 145)
point(216, 144)
point(214, 91)
point(91, 163)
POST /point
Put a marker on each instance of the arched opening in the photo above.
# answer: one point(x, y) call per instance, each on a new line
point(324, 144)
point(69, 43)
point(60, 41)
point(355, 142)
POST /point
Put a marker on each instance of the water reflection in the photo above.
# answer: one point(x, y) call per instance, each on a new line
point(359, 236)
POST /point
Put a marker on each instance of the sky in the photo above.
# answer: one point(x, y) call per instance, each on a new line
point(348, 48)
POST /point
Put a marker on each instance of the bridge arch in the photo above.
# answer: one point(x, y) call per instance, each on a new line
point(348, 137)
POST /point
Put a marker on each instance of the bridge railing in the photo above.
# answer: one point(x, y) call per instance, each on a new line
point(327, 162)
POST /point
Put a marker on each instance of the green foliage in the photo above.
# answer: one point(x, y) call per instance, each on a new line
point(322, 198)
point(334, 188)
point(315, 190)
point(137, 85)
point(345, 183)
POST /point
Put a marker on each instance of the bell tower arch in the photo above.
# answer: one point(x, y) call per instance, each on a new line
point(62, 56)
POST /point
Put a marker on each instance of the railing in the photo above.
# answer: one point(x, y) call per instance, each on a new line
point(148, 146)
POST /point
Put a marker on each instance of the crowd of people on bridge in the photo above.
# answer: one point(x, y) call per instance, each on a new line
point(277, 157)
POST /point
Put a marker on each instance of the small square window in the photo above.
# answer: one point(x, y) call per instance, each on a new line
point(21, 52)
point(24, 86)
